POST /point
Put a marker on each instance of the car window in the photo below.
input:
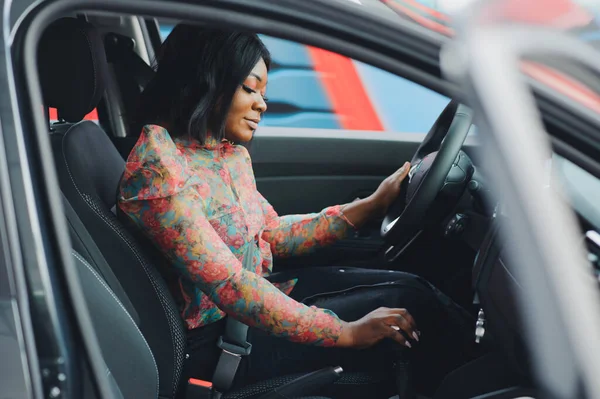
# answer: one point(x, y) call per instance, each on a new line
point(317, 89)
point(92, 116)
point(582, 188)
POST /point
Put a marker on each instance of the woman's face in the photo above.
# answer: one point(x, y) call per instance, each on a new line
point(248, 105)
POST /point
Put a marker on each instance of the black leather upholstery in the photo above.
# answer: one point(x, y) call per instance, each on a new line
point(136, 375)
point(83, 244)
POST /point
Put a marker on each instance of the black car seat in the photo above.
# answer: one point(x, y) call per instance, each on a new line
point(131, 368)
point(72, 68)
point(129, 363)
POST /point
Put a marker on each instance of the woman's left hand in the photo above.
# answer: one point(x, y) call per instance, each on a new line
point(388, 190)
point(376, 205)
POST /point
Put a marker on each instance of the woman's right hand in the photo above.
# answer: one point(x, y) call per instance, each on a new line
point(380, 323)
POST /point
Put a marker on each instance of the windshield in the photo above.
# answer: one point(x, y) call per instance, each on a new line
point(579, 17)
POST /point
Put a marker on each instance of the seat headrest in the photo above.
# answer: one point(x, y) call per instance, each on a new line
point(72, 67)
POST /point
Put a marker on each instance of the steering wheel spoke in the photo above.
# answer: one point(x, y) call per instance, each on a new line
point(393, 252)
point(391, 224)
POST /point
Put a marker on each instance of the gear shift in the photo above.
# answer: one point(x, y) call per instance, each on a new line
point(404, 380)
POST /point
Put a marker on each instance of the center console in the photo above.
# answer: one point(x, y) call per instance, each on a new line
point(496, 294)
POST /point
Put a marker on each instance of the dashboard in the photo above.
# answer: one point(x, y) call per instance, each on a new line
point(496, 294)
point(495, 285)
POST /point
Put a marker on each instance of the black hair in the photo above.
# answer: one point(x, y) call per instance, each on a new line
point(197, 74)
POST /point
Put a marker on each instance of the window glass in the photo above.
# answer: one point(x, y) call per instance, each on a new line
point(581, 188)
point(92, 116)
point(314, 88)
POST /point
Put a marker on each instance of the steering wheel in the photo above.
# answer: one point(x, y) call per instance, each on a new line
point(437, 165)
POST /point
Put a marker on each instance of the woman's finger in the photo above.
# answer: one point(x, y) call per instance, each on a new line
point(403, 170)
point(409, 318)
point(399, 321)
point(404, 313)
point(397, 336)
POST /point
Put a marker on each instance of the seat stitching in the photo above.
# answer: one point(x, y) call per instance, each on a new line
point(174, 384)
point(151, 281)
point(112, 294)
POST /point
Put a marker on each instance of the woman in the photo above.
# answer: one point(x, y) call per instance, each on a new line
point(189, 186)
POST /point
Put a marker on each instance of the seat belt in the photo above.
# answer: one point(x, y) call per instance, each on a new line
point(234, 345)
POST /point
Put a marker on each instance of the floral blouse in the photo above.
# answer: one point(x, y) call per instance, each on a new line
point(200, 206)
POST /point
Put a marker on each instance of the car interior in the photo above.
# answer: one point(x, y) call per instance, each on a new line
point(105, 61)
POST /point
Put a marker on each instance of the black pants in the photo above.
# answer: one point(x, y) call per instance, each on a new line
point(445, 341)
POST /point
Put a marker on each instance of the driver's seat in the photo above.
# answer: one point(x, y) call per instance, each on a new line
point(73, 69)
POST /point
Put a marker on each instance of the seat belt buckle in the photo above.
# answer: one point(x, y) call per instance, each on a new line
point(229, 361)
point(199, 389)
point(234, 349)
point(234, 346)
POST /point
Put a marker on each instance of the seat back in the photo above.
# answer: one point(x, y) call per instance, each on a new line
point(89, 169)
point(129, 362)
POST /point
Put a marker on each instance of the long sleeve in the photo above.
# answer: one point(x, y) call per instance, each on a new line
point(301, 234)
point(161, 197)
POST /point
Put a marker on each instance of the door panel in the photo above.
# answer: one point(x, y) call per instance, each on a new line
point(305, 170)
point(304, 194)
